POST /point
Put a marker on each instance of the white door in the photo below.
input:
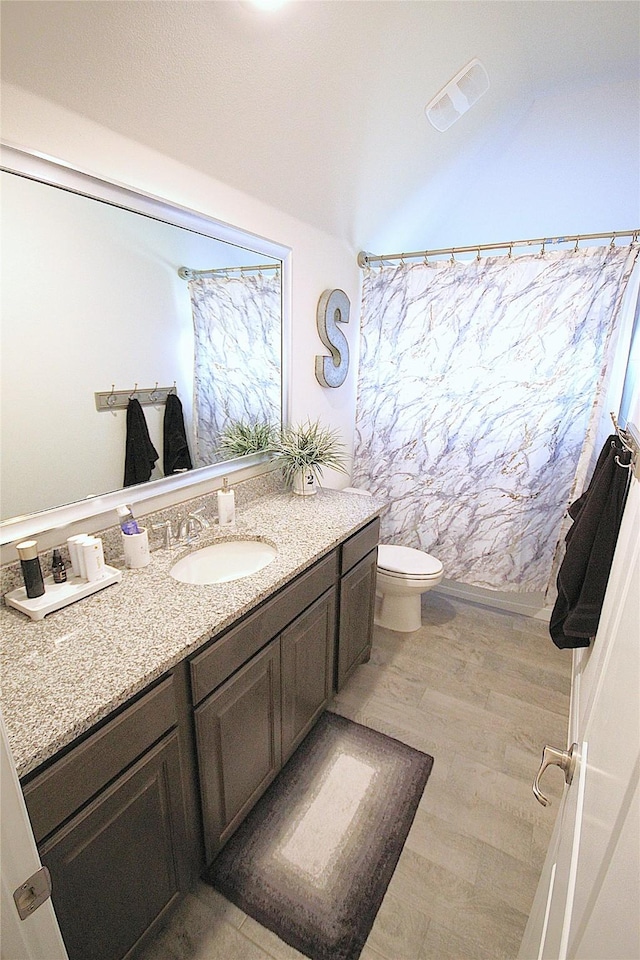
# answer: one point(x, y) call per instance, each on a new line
point(38, 937)
point(588, 899)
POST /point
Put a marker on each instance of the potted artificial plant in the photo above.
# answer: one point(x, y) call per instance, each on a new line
point(302, 450)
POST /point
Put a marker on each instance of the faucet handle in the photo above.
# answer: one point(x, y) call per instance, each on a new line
point(198, 514)
point(168, 532)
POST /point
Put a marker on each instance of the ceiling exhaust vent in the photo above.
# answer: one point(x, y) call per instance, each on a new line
point(462, 92)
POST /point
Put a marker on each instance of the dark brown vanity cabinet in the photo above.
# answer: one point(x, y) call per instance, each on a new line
point(126, 818)
point(270, 679)
point(357, 600)
point(110, 818)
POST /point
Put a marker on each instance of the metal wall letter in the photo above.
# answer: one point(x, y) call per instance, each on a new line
point(333, 308)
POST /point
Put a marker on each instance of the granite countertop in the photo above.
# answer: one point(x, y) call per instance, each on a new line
point(63, 674)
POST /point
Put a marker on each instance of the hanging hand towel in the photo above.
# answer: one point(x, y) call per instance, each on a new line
point(176, 451)
point(140, 453)
point(591, 541)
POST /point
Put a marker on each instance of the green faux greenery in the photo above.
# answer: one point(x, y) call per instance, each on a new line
point(241, 437)
point(308, 446)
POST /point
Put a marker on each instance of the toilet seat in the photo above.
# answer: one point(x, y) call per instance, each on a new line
point(407, 563)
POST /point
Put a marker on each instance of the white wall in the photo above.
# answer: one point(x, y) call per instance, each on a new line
point(319, 262)
point(568, 163)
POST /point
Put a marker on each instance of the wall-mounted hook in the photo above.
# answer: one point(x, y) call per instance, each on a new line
point(111, 399)
point(135, 390)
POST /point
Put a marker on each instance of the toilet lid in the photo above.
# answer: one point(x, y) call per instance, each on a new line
point(407, 561)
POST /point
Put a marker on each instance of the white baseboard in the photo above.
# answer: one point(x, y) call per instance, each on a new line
point(527, 604)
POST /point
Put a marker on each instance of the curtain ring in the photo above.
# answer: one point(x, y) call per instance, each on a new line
point(111, 399)
point(543, 246)
point(135, 390)
point(575, 249)
point(478, 256)
point(613, 242)
point(452, 259)
point(510, 251)
point(426, 259)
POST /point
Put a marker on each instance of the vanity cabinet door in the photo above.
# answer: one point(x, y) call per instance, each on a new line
point(357, 607)
point(120, 862)
point(307, 651)
point(238, 742)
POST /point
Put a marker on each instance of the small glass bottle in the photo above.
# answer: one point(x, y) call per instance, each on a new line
point(31, 569)
point(58, 568)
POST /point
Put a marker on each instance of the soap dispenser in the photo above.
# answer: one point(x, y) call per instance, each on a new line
point(226, 505)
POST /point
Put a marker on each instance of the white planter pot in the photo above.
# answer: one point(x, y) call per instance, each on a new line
point(304, 483)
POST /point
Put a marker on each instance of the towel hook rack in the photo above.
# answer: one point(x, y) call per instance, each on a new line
point(119, 399)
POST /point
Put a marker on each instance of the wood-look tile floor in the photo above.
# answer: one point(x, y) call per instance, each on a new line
point(482, 692)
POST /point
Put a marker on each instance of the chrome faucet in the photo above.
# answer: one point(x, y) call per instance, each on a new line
point(192, 526)
point(189, 529)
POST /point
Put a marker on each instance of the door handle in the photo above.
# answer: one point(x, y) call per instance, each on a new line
point(551, 756)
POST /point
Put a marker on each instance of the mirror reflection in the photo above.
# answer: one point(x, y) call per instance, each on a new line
point(92, 302)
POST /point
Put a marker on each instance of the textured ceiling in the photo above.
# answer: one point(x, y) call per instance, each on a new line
point(318, 109)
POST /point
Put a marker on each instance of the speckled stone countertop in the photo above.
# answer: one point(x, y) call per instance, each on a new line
point(63, 674)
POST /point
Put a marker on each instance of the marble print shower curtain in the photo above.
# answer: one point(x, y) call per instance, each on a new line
point(478, 384)
point(237, 367)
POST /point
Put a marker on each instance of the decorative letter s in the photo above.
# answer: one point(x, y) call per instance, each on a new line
point(333, 306)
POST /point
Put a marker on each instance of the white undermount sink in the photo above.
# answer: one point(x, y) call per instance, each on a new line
point(222, 562)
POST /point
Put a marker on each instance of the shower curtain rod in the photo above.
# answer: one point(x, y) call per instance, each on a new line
point(366, 259)
point(187, 274)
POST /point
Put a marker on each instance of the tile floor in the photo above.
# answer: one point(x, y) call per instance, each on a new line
point(482, 692)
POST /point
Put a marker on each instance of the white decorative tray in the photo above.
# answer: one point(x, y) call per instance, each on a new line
point(58, 595)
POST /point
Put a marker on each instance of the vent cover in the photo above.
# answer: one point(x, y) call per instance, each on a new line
point(462, 92)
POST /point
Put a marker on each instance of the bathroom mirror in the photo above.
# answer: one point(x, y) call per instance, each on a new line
point(92, 302)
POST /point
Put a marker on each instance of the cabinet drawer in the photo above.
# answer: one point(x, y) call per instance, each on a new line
point(59, 791)
point(216, 664)
point(359, 545)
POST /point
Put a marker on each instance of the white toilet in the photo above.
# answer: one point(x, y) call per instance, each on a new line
point(404, 574)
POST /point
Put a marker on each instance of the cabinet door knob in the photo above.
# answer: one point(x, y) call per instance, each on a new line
point(565, 759)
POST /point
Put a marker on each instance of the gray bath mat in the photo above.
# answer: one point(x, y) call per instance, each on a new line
point(314, 858)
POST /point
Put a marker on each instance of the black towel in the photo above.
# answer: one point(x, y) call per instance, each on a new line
point(176, 452)
point(140, 453)
point(591, 541)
